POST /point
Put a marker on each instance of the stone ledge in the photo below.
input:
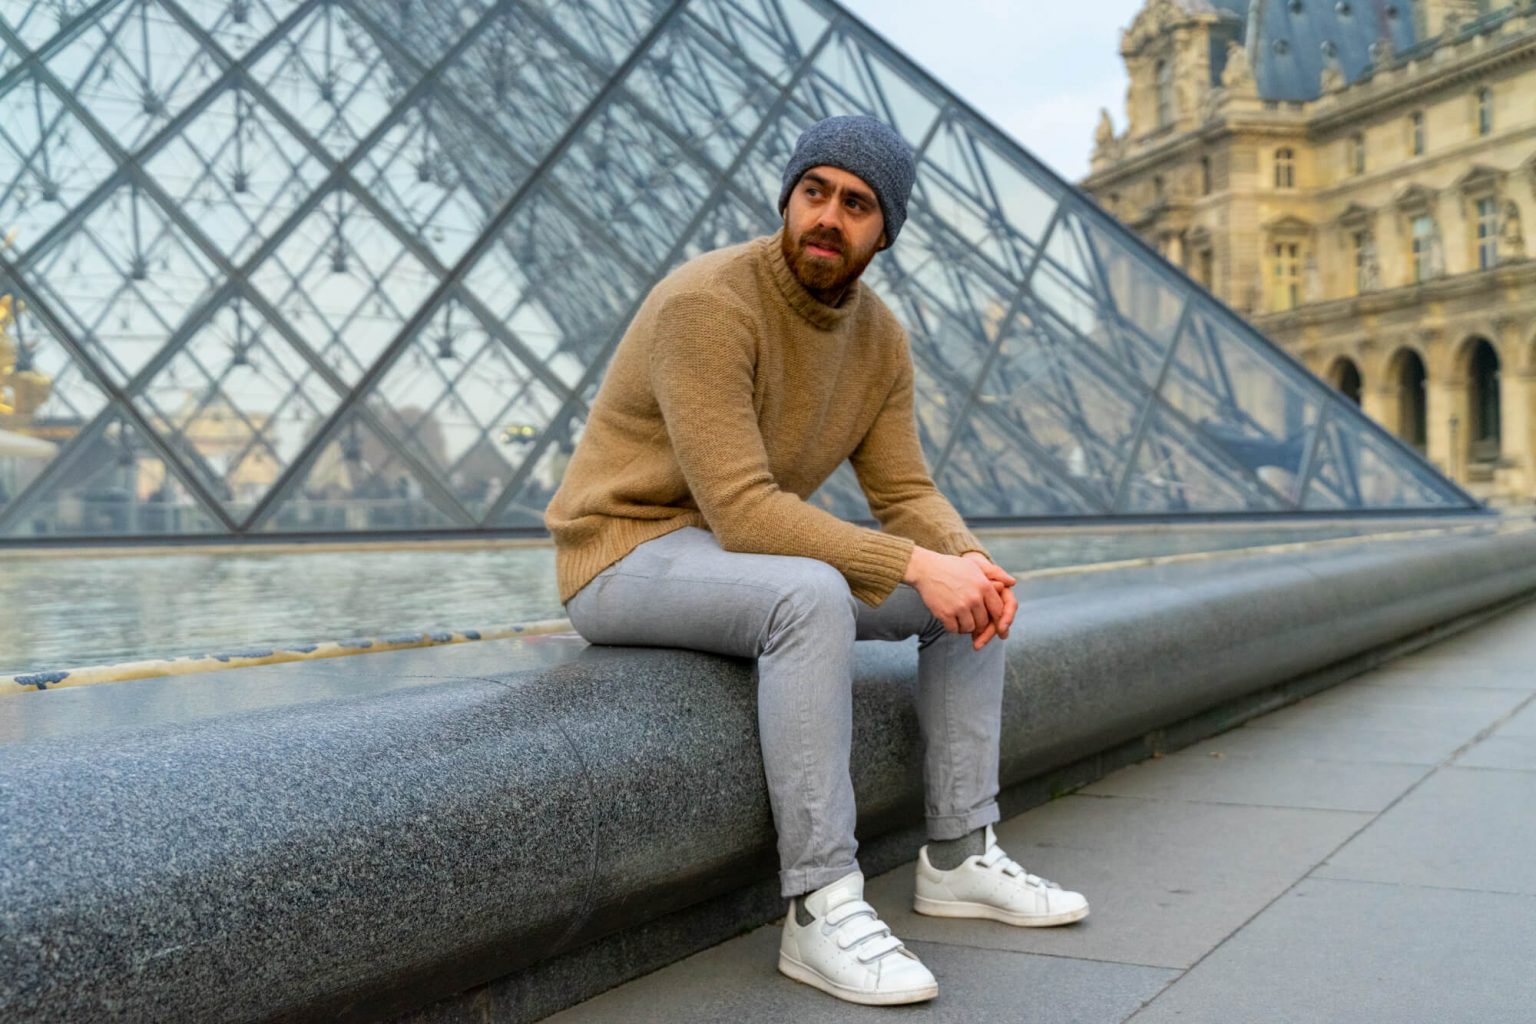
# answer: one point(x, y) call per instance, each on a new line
point(349, 840)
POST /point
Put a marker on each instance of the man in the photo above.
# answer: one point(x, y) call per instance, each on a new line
point(747, 377)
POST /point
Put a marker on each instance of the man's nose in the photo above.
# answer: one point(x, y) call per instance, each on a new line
point(830, 216)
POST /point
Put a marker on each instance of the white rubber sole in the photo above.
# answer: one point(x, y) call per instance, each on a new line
point(790, 967)
point(949, 908)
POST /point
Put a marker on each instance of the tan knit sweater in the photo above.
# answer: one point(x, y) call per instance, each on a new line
point(731, 397)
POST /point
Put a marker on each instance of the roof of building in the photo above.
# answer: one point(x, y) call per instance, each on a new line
point(1290, 42)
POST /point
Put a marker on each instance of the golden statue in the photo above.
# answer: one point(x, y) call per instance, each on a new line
point(22, 391)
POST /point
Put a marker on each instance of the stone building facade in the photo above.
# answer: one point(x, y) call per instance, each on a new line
point(1356, 177)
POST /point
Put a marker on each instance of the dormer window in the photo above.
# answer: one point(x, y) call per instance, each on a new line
point(1285, 168)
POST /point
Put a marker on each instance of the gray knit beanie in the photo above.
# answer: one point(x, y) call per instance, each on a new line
point(863, 146)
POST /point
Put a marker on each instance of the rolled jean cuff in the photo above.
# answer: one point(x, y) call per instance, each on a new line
point(803, 880)
point(953, 826)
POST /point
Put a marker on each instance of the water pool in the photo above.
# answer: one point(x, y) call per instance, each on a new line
point(64, 610)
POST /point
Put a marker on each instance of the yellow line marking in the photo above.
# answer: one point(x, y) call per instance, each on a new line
point(91, 675)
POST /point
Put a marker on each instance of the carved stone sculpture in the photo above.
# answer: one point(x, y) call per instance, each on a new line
point(1511, 238)
point(1237, 76)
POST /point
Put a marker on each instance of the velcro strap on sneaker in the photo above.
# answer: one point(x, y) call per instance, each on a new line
point(877, 948)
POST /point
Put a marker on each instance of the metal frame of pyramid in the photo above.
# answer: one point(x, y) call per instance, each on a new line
point(357, 266)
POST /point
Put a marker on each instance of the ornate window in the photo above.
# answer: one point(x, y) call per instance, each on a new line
point(1287, 266)
point(1165, 109)
point(1360, 242)
point(1424, 255)
point(1416, 133)
point(1285, 167)
point(1487, 233)
point(1485, 111)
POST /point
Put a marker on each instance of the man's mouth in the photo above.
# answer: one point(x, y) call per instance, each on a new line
point(824, 251)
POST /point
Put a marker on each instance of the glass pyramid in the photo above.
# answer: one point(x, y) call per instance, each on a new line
point(358, 265)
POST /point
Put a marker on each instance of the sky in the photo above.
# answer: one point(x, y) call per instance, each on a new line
point(1039, 69)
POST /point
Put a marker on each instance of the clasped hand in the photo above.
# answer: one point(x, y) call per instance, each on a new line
point(969, 593)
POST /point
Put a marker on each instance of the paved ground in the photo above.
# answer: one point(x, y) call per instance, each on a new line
point(1367, 855)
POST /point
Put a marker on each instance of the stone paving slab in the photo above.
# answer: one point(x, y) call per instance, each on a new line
point(1318, 785)
point(1334, 952)
point(1493, 703)
point(1513, 753)
point(1166, 881)
point(1451, 722)
point(739, 982)
point(1522, 722)
point(1457, 674)
point(1464, 828)
point(1335, 741)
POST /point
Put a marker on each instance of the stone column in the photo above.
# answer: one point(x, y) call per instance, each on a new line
point(1446, 415)
point(1517, 395)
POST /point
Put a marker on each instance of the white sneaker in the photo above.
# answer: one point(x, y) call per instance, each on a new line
point(992, 886)
point(849, 952)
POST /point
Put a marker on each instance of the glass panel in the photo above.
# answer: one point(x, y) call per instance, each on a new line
point(135, 70)
point(358, 483)
point(985, 476)
point(465, 405)
point(111, 482)
point(48, 163)
point(1245, 400)
point(566, 298)
point(238, 27)
point(124, 280)
point(37, 23)
point(1356, 470)
point(558, 441)
point(344, 284)
point(443, 173)
point(46, 399)
point(333, 77)
point(239, 403)
point(1067, 409)
point(237, 171)
point(1174, 473)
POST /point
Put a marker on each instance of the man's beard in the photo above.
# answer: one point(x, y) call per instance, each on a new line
point(826, 278)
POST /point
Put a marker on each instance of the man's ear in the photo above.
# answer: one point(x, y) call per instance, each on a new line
point(883, 243)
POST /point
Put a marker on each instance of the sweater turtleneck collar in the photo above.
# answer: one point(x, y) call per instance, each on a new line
point(799, 297)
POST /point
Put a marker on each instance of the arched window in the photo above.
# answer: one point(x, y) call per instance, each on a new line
point(1485, 111)
point(1484, 379)
point(1285, 168)
point(1345, 376)
point(1165, 110)
point(1412, 409)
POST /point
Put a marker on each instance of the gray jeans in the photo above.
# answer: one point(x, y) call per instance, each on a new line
point(798, 619)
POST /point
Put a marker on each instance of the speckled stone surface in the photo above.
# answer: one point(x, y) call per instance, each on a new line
point(362, 837)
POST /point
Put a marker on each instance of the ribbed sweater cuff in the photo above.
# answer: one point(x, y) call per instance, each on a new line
point(877, 566)
point(961, 542)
